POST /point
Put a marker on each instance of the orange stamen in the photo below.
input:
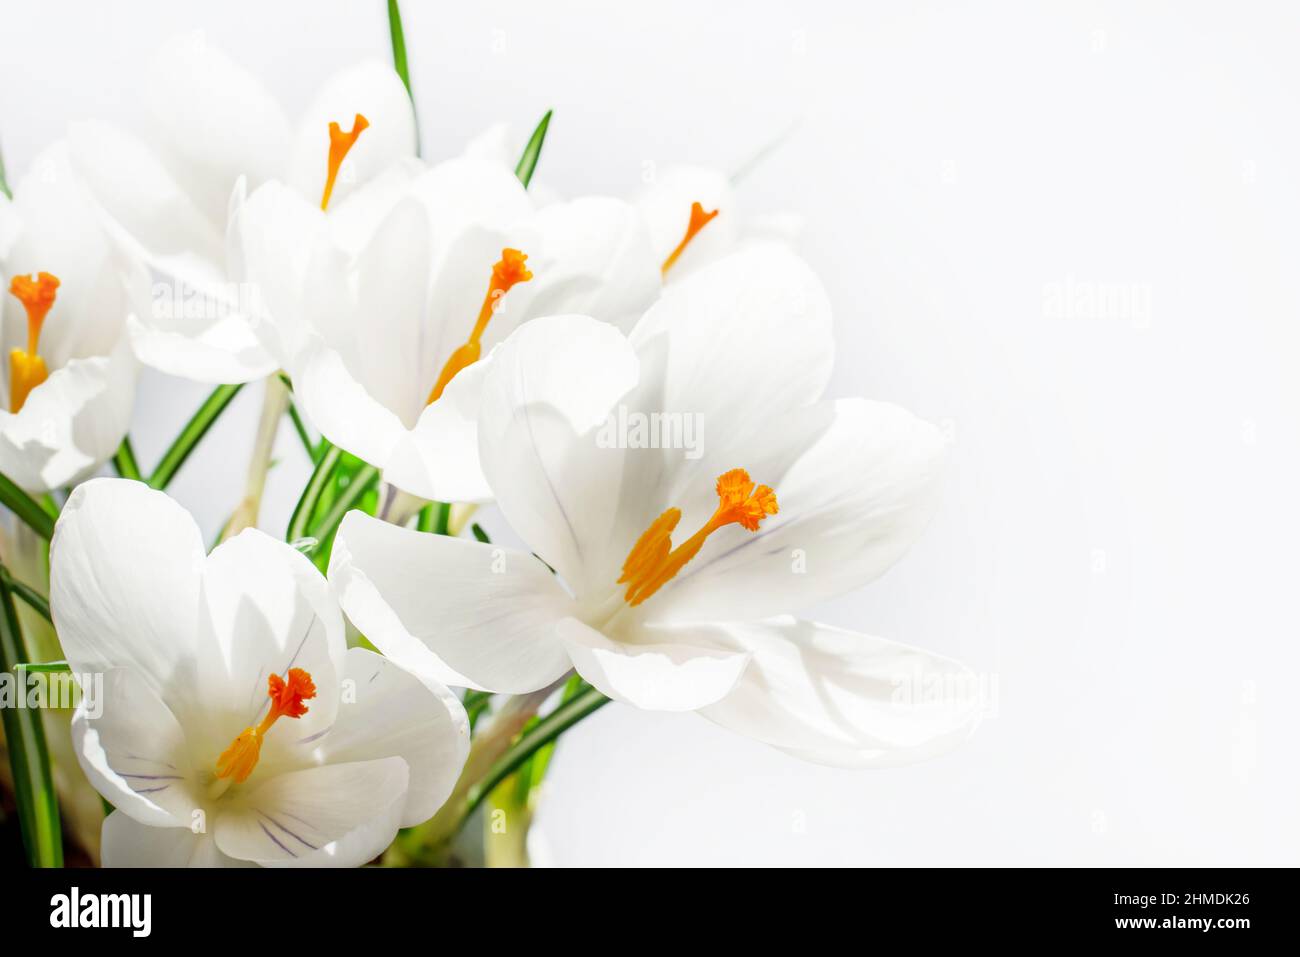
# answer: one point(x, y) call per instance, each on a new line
point(505, 274)
point(287, 701)
point(699, 219)
point(340, 143)
point(26, 368)
point(653, 562)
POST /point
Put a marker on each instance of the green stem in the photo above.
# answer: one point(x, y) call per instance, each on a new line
point(125, 463)
point(36, 515)
point(306, 507)
point(38, 806)
point(300, 428)
point(275, 401)
point(192, 434)
point(533, 151)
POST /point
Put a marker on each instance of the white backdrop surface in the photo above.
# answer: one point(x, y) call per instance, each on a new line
point(1066, 232)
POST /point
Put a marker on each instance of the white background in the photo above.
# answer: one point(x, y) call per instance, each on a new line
point(1117, 551)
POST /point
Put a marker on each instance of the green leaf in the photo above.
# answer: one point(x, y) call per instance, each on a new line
point(300, 428)
point(44, 667)
point(481, 535)
point(306, 507)
point(533, 151)
point(361, 483)
point(39, 517)
point(34, 599)
point(192, 434)
point(400, 64)
point(4, 183)
point(125, 463)
point(29, 759)
point(543, 733)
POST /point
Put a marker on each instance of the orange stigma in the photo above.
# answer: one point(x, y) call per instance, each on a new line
point(26, 368)
point(505, 274)
point(340, 143)
point(653, 561)
point(699, 219)
point(287, 701)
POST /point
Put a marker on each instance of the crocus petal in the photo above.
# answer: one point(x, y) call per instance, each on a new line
point(125, 842)
point(438, 459)
point(664, 669)
point(855, 482)
point(222, 351)
point(665, 205)
point(486, 613)
point(740, 342)
point(843, 698)
point(137, 190)
point(133, 750)
point(464, 193)
point(373, 89)
point(389, 711)
point(550, 387)
point(71, 423)
point(216, 120)
point(267, 610)
point(57, 228)
point(125, 565)
point(336, 815)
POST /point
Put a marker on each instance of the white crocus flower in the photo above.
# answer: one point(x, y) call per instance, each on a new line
point(68, 374)
point(234, 726)
point(381, 325)
point(669, 563)
point(210, 125)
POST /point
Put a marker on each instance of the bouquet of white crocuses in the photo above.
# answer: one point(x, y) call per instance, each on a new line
point(636, 384)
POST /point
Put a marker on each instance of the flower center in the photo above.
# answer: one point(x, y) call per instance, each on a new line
point(287, 698)
point(653, 561)
point(699, 219)
point(505, 274)
point(26, 368)
point(340, 143)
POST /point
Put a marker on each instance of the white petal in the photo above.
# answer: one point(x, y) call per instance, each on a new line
point(71, 423)
point(465, 193)
point(138, 191)
point(388, 711)
point(341, 408)
point(125, 567)
point(218, 120)
point(224, 351)
point(438, 459)
point(855, 482)
point(488, 613)
point(740, 342)
point(336, 815)
point(267, 610)
point(666, 206)
point(133, 750)
point(125, 842)
point(373, 89)
point(596, 260)
point(550, 387)
point(842, 698)
point(664, 669)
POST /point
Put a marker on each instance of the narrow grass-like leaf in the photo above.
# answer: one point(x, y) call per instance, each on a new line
point(533, 151)
point(4, 182)
point(45, 667)
point(306, 507)
point(125, 463)
point(34, 599)
point(481, 535)
point(400, 65)
point(29, 759)
point(300, 428)
point(362, 482)
point(36, 515)
point(192, 434)
point(543, 733)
